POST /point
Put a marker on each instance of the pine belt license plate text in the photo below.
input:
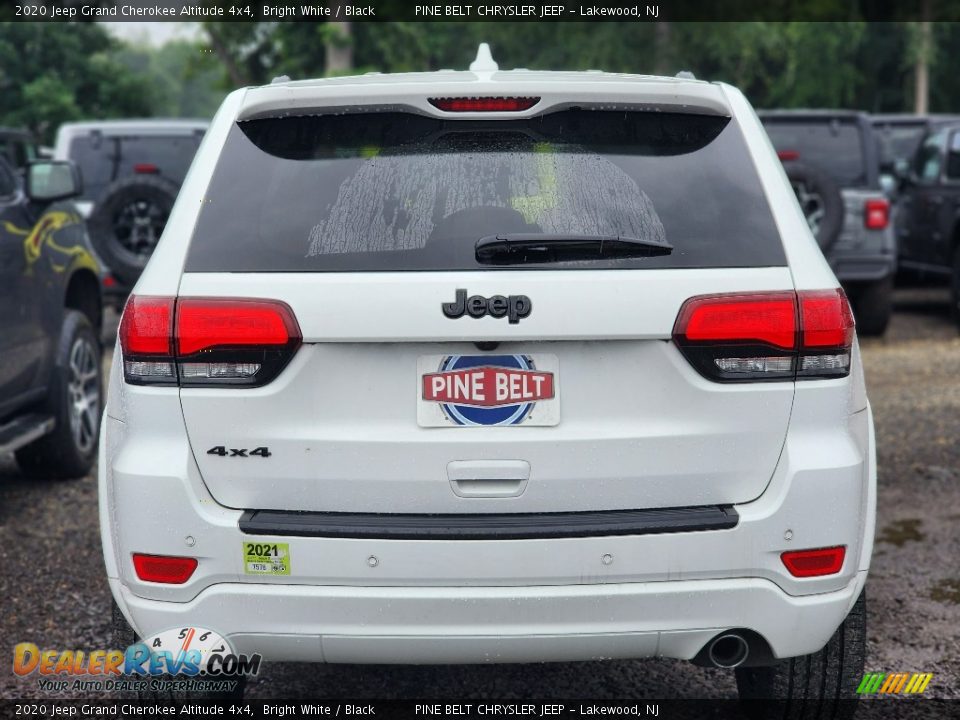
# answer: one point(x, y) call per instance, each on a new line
point(485, 390)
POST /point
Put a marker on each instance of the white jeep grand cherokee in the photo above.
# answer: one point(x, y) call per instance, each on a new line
point(491, 366)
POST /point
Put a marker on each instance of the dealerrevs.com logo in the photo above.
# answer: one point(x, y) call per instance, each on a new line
point(192, 658)
point(904, 683)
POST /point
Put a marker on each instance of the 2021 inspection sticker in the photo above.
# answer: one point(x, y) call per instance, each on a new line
point(266, 558)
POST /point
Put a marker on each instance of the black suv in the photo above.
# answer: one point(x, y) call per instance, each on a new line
point(18, 147)
point(832, 158)
point(50, 375)
point(900, 135)
point(928, 217)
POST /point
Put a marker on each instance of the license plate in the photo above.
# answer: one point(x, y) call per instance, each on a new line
point(485, 390)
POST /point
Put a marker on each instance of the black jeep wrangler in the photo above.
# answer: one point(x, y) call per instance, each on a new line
point(51, 391)
point(928, 216)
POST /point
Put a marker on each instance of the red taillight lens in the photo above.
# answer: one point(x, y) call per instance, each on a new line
point(145, 169)
point(876, 214)
point(767, 336)
point(146, 326)
point(826, 319)
point(764, 318)
point(205, 324)
point(484, 104)
point(826, 334)
point(206, 341)
point(788, 155)
point(165, 569)
point(814, 563)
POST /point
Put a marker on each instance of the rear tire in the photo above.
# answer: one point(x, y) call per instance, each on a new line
point(820, 199)
point(872, 306)
point(75, 400)
point(128, 220)
point(820, 686)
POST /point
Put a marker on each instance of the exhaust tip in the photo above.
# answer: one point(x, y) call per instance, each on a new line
point(728, 651)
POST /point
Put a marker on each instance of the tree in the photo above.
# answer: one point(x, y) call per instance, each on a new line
point(185, 80)
point(56, 72)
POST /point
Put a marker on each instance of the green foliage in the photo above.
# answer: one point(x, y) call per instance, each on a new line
point(184, 78)
point(852, 64)
point(55, 72)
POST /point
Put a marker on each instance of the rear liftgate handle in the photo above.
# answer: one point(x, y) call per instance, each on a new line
point(488, 478)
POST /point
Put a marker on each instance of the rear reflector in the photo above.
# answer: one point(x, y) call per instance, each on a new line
point(145, 169)
point(876, 214)
point(484, 104)
point(788, 155)
point(814, 563)
point(206, 341)
point(164, 568)
point(767, 336)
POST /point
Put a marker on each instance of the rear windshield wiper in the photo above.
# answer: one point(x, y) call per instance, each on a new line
point(520, 248)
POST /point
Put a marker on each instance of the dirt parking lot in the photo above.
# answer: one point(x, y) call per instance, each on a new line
point(53, 590)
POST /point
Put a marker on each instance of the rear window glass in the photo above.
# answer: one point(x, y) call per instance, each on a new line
point(18, 151)
point(398, 191)
point(105, 158)
point(833, 145)
point(898, 142)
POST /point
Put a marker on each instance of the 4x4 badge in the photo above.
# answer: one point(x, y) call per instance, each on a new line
point(476, 306)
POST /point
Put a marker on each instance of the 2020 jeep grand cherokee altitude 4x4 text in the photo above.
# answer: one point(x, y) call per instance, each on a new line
point(496, 366)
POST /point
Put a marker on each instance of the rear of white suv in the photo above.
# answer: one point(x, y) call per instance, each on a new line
point(494, 367)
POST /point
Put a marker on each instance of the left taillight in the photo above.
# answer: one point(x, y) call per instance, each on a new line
point(751, 337)
point(146, 339)
point(208, 342)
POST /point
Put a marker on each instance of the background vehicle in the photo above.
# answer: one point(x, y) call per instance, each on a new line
point(18, 147)
point(833, 162)
point(899, 135)
point(928, 216)
point(276, 387)
point(132, 171)
point(50, 379)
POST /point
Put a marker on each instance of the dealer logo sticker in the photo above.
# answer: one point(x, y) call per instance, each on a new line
point(485, 390)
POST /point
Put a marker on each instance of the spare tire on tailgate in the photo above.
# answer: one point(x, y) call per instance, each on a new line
point(128, 220)
point(820, 199)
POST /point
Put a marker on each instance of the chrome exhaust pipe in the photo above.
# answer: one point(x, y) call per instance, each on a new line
point(728, 651)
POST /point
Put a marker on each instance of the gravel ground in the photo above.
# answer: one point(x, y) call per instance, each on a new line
point(53, 591)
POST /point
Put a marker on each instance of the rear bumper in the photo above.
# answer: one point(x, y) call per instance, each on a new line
point(499, 624)
point(371, 599)
point(487, 526)
point(862, 267)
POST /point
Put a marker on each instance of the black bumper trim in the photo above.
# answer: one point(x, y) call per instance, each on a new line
point(502, 526)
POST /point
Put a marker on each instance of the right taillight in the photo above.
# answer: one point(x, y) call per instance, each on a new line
point(749, 337)
point(210, 342)
point(826, 334)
